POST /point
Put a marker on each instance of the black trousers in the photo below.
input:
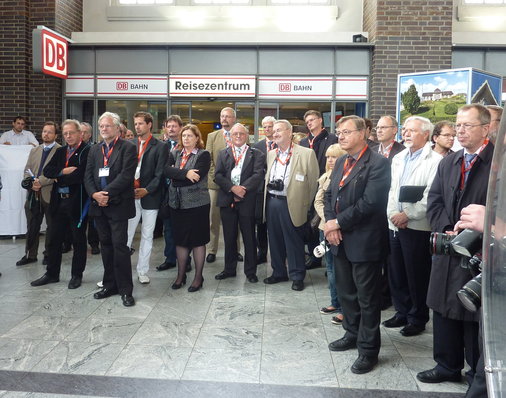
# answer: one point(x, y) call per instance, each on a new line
point(34, 217)
point(478, 388)
point(92, 233)
point(285, 240)
point(115, 254)
point(233, 218)
point(455, 340)
point(358, 291)
point(409, 274)
point(262, 241)
point(63, 219)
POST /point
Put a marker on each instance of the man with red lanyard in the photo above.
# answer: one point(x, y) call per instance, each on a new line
point(386, 130)
point(461, 180)
point(356, 225)
point(239, 174)
point(109, 178)
point(68, 198)
point(148, 189)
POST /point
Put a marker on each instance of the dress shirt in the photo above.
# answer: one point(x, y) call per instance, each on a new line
point(280, 171)
point(409, 162)
point(23, 138)
point(235, 175)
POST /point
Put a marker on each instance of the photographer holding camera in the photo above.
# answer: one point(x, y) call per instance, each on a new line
point(461, 180)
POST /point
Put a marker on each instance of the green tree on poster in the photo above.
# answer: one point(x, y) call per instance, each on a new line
point(411, 100)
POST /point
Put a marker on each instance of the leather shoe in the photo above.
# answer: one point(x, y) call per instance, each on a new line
point(44, 280)
point(26, 260)
point(364, 364)
point(95, 249)
point(211, 258)
point(128, 300)
point(412, 330)
point(343, 344)
point(104, 293)
point(435, 376)
point(74, 282)
point(224, 275)
point(252, 278)
point(240, 258)
point(298, 285)
point(275, 279)
point(394, 322)
point(165, 266)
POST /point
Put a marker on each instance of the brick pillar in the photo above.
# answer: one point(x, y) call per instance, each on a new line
point(408, 36)
point(36, 96)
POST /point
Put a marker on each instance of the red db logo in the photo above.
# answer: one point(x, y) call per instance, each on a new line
point(121, 86)
point(54, 54)
point(284, 87)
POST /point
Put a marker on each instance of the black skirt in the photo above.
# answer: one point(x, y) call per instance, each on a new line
point(190, 227)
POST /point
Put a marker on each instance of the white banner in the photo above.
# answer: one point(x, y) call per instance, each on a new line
point(79, 86)
point(211, 86)
point(351, 88)
point(131, 86)
point(295, 87)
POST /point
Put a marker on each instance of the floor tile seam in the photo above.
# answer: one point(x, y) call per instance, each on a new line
point(263, 334)
point(411, 373)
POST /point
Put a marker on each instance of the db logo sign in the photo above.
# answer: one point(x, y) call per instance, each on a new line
point(285, 87)
point(122, 86)
point(54, 54)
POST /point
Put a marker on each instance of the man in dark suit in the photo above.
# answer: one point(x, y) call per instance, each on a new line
point(461, 180)
point(239, 173)
point(68, 198)
point(264, 146)
point(355, 215)
point(151, 158)
point(109, 179)
point(386, 131)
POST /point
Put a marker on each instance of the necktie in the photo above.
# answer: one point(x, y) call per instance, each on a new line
point(43, 159)
point(468, 158)
point(350, 161)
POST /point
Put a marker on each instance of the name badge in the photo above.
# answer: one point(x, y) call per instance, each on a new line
point(103, 172)
point(299, 177)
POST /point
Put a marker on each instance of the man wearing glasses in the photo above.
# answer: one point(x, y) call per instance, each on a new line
point(355, 215)
point(386, 130)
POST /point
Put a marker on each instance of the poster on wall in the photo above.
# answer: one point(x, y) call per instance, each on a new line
point(439, 94)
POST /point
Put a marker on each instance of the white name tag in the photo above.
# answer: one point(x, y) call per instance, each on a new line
point(299, 177)
point(103, 172)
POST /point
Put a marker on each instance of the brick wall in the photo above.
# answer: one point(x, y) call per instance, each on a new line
point(33, 95)
point(408, 36)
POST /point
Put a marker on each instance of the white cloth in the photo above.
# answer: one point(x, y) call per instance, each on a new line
point(281, 172)
point(13, 159)
point(24, 138)
point(147, 228)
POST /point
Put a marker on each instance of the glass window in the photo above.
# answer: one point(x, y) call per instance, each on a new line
point(484, 1)
point(294, 113)
point(206, 2)
point(144, 2)
point(183, 110)
point(298, 2)
point(246, 115)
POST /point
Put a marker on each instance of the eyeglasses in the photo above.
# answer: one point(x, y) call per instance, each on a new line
point(310, 120)
point(467, 126)
point(346, 133)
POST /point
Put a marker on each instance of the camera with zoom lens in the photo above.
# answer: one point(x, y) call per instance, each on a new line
point(320, 250)
point(276, 185)
point(467, 244)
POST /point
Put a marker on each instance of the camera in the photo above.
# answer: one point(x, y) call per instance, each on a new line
point(320, 250)
point(470, 294)
point(276, 185)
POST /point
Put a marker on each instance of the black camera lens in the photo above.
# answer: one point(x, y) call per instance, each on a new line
point(470, 294)
point(440, 243)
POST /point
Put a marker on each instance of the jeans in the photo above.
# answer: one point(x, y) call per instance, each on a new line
point(329, 262)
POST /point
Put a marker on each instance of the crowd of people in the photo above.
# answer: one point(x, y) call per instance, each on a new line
point(363, 199)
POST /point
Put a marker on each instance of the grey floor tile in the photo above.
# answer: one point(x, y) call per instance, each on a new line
point(229, 310)
point(23, 354)
point(106, 329)
point(10, 320)
point(230, 336)
point(169, 331)
point(44, 328)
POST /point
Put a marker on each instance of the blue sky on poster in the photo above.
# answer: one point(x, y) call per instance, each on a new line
point(456, 81)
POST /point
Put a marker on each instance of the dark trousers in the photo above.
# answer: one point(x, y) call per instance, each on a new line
point(233, 218)
point(34, 217)
point(285, 241)
point(115, 254)
point(262, 242)
point(409, 274)
point(455, 340)
point(92, 233)
point(478, 388)
point(358, 291)
point(170, 247)
point(64, 218)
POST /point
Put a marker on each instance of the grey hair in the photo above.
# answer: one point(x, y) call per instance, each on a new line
point(286, 123)
point(114, 117)
point(426, 123)
point(75, 122)
point(268, 119)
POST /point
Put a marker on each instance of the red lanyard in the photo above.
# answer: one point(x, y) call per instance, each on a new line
point(311, 142)
point(287, 158)
point(106, 157)
point(184, 159)
point(238, 159)
point(268, 144)
point(386, 151)
point(70, 152)
point(347, 169)
point(228, 141)
point(464, 170)
point(141, 151)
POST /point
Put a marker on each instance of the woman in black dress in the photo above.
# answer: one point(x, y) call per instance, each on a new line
point(189, 203)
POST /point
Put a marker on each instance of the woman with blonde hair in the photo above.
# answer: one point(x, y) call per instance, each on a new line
point(333, 153)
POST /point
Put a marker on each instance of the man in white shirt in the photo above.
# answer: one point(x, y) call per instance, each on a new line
point(18, 136)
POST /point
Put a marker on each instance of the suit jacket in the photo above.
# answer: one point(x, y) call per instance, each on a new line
point(33, 163)
point(362, 207)
point(396, 148)
point(320, 145)
point(444, 204)
point(252, 177)
point(154, 160)
point(302, 183)
point(215, 143)
point(74, 180)
point(122, 164)
point(259, 210)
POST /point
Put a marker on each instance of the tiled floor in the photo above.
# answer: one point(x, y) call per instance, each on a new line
point(232, 338)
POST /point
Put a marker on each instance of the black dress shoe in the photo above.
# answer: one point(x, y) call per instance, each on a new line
point(224, 275)
point(74, 282)
point(252, 278)
point(435, 376)
point(176, 286)
point(44, 280)
point(240, 258)
point(165, 266)
point(275, 279)
point(364, 364)
point(26, 260)
point(193, 289)
point(394, 322)
point(95, 249)
point(128, 300)
point(104, 293)
point(343, 344)
point(298, 285)
point(211, 258)
point(412, 330)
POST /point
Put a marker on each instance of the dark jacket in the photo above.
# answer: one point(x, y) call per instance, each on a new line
point(396, 148)
point(320, 145)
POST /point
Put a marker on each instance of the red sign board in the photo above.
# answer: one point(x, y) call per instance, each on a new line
point(54, 54)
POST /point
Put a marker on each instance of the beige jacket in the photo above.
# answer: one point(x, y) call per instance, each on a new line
point(33, 163)
point(319, 200)
point(215, 143)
